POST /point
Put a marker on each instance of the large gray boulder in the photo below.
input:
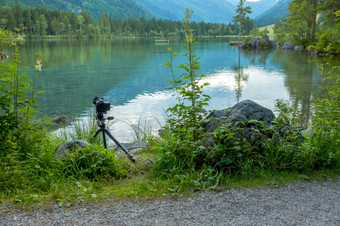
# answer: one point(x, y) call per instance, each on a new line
point(238, 116)
point(262, 43)
point(64, 150)
point(287, 46)
point(243, 112)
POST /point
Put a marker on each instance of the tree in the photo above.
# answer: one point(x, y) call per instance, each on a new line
point(329, 8)
point(301, 22)
point(104, 24)
point(42, 25)
point(67, 25)
point(240, 17)
point(80, 20)
point(55, 25)
point(188, 113)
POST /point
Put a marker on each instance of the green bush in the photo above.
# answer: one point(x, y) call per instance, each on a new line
point(328, 43)
point(94, 163)
point(325, 136)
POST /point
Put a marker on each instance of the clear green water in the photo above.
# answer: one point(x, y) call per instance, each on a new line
point(132, 76)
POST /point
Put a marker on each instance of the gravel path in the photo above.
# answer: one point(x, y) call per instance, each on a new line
point(301, 203)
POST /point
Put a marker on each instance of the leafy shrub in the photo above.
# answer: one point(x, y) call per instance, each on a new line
point(328, 43)
point(325, 136)
point(95, 163)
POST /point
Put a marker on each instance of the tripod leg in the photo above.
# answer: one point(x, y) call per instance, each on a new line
point(118, 144)
point(104, 138)
point(94, 136)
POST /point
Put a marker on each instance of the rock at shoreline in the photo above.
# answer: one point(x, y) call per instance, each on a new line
point(244, 111)
point(299, 47)
point(238, 115)
point(64, 150)
point(287, 46)
point(255, 43)
point(261, 43)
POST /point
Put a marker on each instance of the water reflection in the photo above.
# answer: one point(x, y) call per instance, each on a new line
point(240, 77)
point(132, 76)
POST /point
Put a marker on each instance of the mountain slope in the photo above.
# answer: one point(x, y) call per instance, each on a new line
point(260, 7)
point(278, 12)
point(114, 8)
point(216, 11)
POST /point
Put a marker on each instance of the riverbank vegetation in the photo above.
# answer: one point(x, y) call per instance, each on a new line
point(42, 22)
point(176, 162)
point(29, 172)
point(312, 23)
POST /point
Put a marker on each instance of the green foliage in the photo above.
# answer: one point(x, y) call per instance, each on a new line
point(17, 107)
point(240, 17)
point(329, 43)
point(325, 136)
point(94, 163)
point(303, 28)
point(5, 37)
point(255, 33)
point(185, 117)
point(42, 21)
point(280, 34)
point(116, 8)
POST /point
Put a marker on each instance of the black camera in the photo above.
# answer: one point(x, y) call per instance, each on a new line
point(101, 105)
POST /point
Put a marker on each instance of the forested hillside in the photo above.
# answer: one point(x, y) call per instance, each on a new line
point(40, 21)
point(114, 8)
point(258, 8)
point(213, 11)
point(216, 11)
point(276, 13)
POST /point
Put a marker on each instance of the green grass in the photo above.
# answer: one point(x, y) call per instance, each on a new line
point(270, 28)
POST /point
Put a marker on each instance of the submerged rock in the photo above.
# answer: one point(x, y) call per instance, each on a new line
point(60, 120)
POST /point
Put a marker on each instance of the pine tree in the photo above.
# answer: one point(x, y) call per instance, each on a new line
point(240, 18)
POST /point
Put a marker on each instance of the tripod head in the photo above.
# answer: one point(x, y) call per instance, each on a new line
point(100, 117)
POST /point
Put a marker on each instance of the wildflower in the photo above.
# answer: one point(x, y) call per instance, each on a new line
point(38, 64)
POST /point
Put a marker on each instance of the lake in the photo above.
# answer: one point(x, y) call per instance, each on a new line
point(130, 74)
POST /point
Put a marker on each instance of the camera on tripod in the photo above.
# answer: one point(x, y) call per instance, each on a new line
point(101, 105)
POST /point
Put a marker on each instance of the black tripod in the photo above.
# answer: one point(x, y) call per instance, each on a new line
point(102, 128)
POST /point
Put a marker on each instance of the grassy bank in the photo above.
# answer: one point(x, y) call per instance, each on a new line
point(181, 163)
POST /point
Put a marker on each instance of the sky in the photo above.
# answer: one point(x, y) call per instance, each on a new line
point(253, 0)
